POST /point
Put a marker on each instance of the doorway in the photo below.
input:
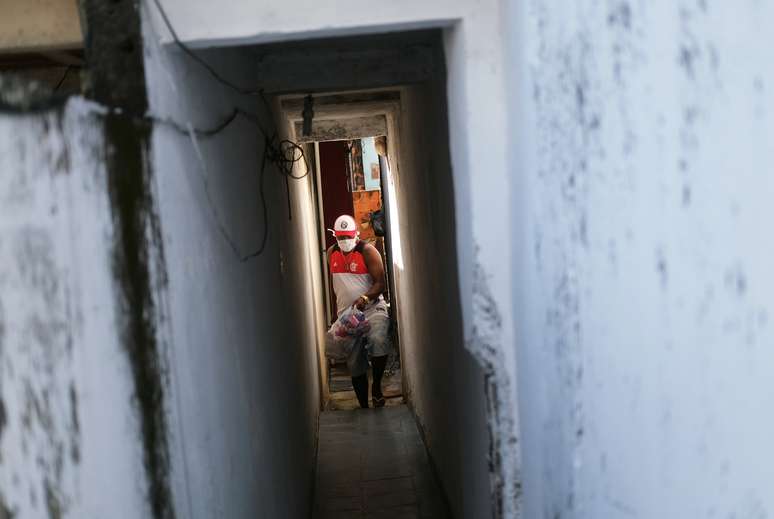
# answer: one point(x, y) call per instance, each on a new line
point(441, 384)
point(352, 178)
point(371, 460)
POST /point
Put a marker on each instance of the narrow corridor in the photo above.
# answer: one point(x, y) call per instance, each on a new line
point(372, 464)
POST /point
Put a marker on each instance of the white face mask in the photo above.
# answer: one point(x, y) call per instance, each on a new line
point(348, 244)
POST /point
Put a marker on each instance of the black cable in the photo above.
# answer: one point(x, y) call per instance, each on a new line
point(278, 152)
point(278, 155)
point(259, 250)
point(222, 227)
point(287, 193)
point(202, 133)
point(64, 76)
point(199, 59)
point(283, 154)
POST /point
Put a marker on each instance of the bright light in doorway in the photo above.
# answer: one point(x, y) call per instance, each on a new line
point(397, 250)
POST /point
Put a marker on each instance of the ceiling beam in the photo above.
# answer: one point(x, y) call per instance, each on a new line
point(343, 129)
point(39, 25)
point(325, 69)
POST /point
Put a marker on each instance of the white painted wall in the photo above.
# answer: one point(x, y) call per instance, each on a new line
point(69, 433)
point(443, 382)
point(304, 248)
point(242, 352)
point(481, 166)
point(238, 339)
point(644, 297)
point(631, 185)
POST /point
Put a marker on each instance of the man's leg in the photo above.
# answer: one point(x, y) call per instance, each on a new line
point(378, 363)
point(360, 384)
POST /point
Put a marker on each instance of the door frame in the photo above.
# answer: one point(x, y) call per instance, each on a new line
point(355, 115)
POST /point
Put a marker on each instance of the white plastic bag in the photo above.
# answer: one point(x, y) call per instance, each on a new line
point(351, 323)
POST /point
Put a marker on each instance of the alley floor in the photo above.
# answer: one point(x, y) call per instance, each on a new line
point(342, 396)
point(372, 464)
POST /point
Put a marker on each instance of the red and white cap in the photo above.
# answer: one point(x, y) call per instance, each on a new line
point(345, 227)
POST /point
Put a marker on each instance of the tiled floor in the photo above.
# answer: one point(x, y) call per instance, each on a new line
point(372, 464)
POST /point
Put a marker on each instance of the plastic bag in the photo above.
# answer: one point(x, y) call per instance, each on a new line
point(351, 323)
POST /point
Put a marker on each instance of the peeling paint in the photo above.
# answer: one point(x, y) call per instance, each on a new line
point(485, 345)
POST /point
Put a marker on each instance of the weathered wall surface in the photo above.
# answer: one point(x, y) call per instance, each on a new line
point(644, 302)
point(444, 384)
point(243, 372)
point(69, 430)
point(480, 163)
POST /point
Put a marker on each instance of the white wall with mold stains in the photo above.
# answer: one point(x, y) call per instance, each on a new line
point(481, 166)
point(243, 376)
point(642, 237)
point(69, 433)
point(636, 213)
point(443, 382)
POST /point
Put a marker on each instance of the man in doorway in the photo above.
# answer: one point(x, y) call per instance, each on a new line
point(357, 275)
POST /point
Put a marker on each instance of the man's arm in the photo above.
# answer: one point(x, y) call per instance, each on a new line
point(333, 292)
point(373, 261)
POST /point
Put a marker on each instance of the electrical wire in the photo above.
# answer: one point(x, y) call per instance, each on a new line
point(64, 76)
point(278, 149)
point(213, 208)
point(210, 132)
point(283, 154)
point(199, 59)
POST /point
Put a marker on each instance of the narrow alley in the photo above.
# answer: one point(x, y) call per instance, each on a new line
point(371, 463)
point(430, 259)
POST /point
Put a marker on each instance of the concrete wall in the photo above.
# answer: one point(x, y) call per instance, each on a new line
point(68, 424)
point(481, 166)
point(242, 353)
point(227, 425)
point(633, 171)
point(641, 207)
point(444, 385)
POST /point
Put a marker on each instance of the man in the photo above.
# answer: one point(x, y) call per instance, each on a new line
point(357, 275)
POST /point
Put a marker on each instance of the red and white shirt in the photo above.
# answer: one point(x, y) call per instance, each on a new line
point(350, 276)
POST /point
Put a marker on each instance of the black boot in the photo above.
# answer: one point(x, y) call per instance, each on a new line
point(360, 385)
